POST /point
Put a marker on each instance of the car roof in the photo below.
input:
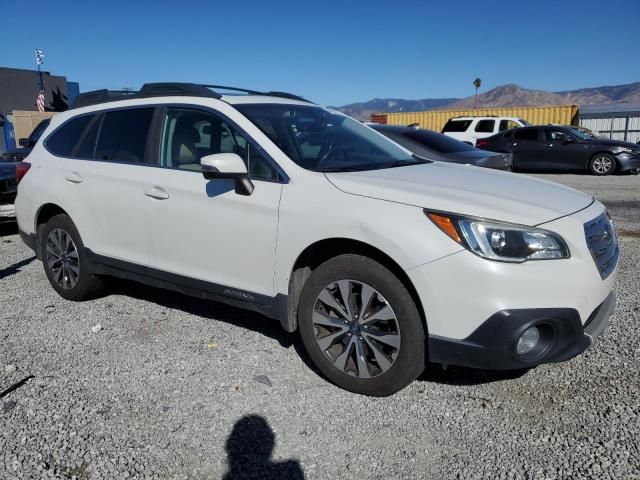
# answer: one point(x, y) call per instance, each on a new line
point(483, 117)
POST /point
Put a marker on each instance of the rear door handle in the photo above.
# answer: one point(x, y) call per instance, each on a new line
point(73, 177)
point(157, 193)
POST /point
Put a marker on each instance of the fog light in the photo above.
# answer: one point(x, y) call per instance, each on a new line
point(528, 340)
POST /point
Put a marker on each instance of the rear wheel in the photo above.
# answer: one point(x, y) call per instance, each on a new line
point(360, 326)
point(602, 164)
point(65, 260)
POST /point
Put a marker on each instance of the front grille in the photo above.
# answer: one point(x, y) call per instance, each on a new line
point(603, 244)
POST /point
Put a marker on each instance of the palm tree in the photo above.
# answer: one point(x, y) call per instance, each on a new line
point(476, 83)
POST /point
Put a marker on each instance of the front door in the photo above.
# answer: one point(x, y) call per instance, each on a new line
point(202, 229)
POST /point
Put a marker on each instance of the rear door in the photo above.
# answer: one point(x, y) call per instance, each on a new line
point(483, 128)
point(102, 182)
point(528, 148)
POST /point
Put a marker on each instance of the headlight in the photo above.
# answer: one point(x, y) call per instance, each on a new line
point(501, 241)
point(623, 150)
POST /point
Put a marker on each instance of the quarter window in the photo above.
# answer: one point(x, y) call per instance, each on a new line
point(485, 126)
point(123, 135)
point(456, 126)
point(65, 138)
point(188, 135)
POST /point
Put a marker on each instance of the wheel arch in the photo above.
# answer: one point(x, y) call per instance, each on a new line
point(45, 212)
point(319, 252)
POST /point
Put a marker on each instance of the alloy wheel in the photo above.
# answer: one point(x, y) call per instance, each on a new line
point(62, 259)
point(602, 165)
point(356, 328)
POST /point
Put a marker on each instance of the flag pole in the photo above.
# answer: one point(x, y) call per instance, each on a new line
point(40, 61)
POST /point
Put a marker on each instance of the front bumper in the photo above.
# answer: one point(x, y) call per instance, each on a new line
point(492, 346)
point(628, 161)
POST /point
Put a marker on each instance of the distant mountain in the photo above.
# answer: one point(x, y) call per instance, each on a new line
point(363, 110)
point(503, 96)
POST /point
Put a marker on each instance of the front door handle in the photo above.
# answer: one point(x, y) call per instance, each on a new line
point(73, 177)
point(157, 193)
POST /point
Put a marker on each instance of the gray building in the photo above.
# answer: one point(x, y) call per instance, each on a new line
point(618, 121)
point(18, 91)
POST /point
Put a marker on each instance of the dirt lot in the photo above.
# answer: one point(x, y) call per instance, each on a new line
point(171, 387)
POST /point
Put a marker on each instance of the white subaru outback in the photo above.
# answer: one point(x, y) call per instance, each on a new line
point(380, 259)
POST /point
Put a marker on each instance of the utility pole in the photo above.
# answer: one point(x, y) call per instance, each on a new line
point(476, 83)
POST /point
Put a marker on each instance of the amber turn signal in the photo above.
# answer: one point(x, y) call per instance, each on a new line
point(446, 225)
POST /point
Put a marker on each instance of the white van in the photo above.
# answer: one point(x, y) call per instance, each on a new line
point(469, 129)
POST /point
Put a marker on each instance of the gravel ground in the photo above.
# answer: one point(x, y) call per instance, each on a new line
point(171, 387)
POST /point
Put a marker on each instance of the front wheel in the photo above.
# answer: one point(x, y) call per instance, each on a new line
point(361, 327)
point(602, 164)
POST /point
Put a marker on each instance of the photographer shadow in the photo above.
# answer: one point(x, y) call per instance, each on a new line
point(249, 449)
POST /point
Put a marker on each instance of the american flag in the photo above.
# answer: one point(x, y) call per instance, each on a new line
point(40, 100)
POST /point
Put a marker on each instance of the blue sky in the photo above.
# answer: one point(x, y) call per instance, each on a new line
point(333, 52)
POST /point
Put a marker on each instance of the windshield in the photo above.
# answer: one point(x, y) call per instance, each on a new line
point(324, 140)
point(582, 135)
point(438, 142)
point(524, 122)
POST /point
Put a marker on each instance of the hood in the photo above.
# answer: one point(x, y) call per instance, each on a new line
point(466, 190)
point(613, 143)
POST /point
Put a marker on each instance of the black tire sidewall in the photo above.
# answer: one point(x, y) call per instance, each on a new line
point(411, 359)
point(86, 284)
point(613, 161)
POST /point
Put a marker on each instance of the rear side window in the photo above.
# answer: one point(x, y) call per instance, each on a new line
point(456, 126)
point(123, 135)
point(62, 141)
point(526, 134)
point(485, 126)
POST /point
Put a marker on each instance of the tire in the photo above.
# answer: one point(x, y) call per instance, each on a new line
point(65, 260)
point(602, 164)
point(390, 366)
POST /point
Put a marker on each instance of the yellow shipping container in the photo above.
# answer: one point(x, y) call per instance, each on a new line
point(435, 119)
point(25, 121)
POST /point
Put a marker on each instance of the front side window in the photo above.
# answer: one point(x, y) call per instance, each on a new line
point(485, 126)
point(323, 140)
point(64, 139)
point(553, 135)
point(188, 135)
point(123, 135)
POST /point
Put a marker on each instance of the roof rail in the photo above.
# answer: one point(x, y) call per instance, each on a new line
point(167, 89)
point(290, 96)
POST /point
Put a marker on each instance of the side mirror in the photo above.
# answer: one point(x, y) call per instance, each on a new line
point(24, 142)
point(567, 140)
point(229, 166)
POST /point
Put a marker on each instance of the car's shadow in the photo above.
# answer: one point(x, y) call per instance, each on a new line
point(203, 308)
point(256, 322)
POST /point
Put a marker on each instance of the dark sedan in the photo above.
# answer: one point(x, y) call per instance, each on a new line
point(435, 146)
point(558, 148)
